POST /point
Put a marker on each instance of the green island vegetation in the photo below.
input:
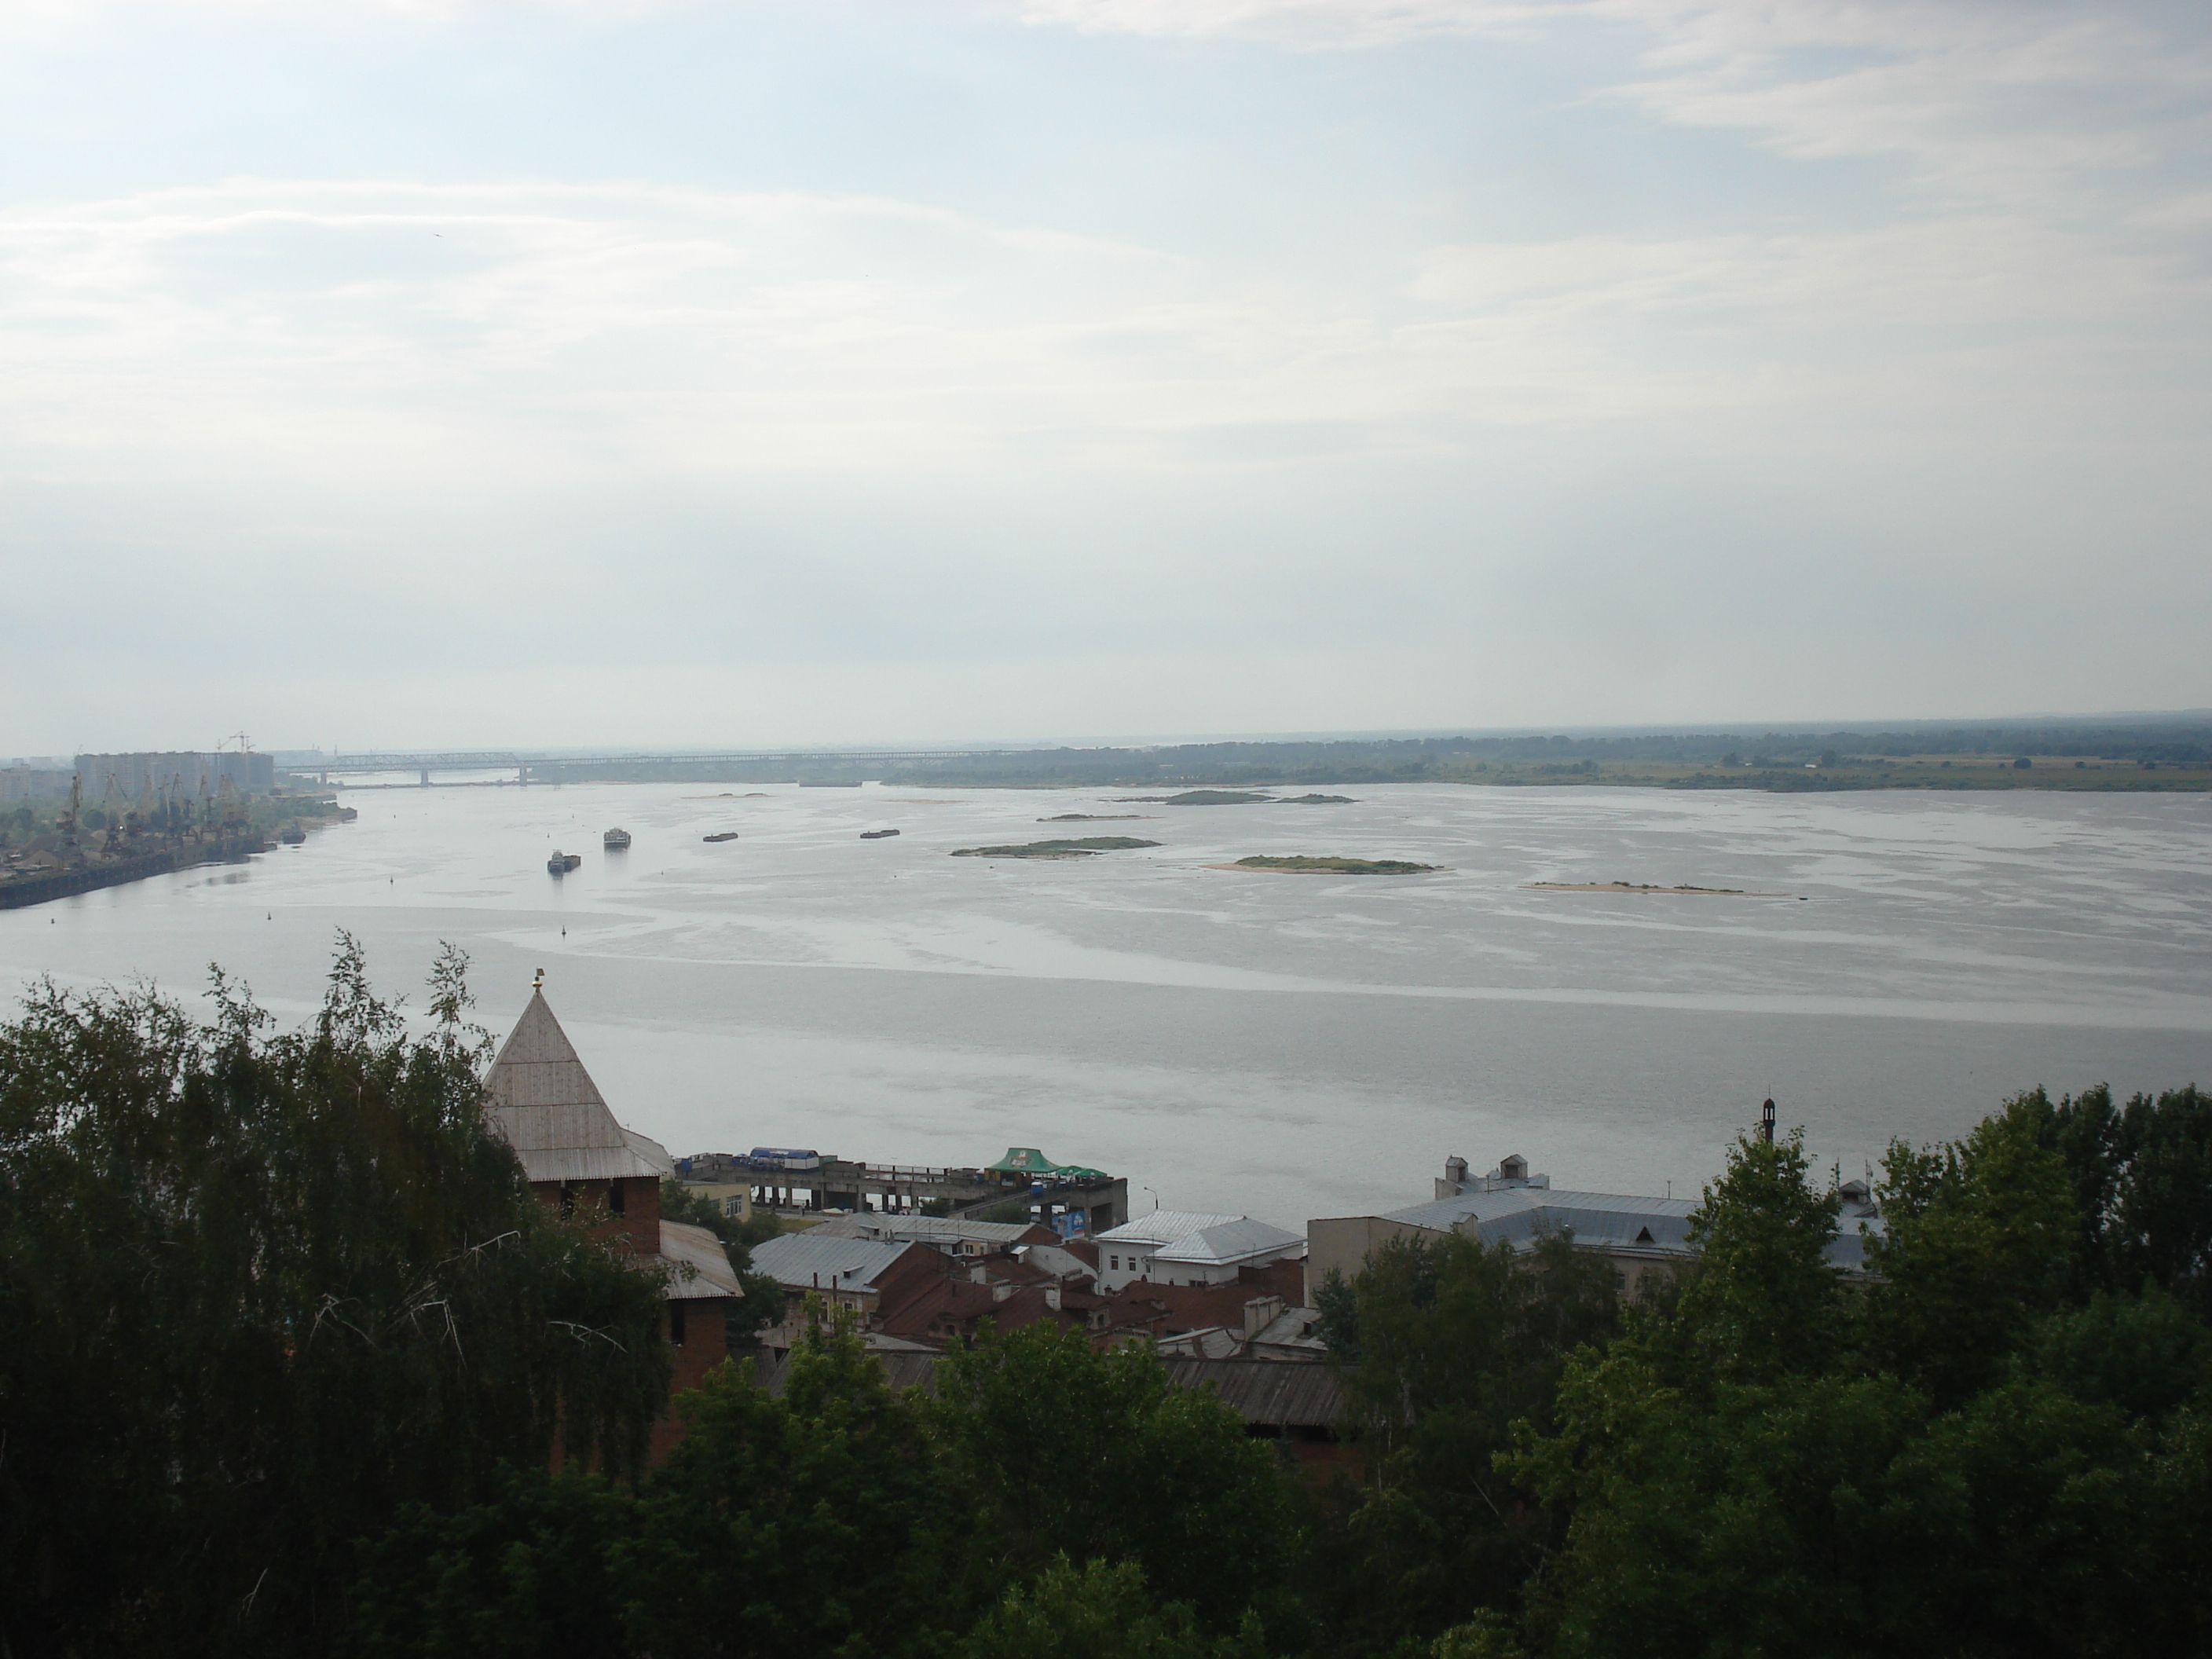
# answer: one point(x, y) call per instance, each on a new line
point(1315, 801)
point(292, 1363)
point(2148, 753)
point(1096, 817)
point(1087, 847)
point(1335, 866)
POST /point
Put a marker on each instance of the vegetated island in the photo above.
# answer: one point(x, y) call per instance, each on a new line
point(1643, 887)
point(1083, 848)
point(1096, 817)
point(1303, 865)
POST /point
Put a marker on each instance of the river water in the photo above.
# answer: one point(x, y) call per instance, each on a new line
point(1289, 1046)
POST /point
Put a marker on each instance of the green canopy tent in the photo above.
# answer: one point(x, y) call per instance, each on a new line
point(1024, 1161)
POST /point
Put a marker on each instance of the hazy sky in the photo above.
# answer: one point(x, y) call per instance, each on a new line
point(385, 374)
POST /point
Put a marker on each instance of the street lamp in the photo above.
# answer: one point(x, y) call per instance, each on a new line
point(1156, 1197)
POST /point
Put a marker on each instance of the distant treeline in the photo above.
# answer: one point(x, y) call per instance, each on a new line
point(1732, 758)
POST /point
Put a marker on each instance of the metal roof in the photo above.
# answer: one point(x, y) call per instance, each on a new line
point(1232, 1241)
point(700, 1250)
point(926, 1229)
point(1287, 1393)
point(805, 1262)
point(1623, 1221)
point(1163, 1227)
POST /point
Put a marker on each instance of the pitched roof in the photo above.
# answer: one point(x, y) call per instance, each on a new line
point(1269, 1391)
point(700, 1250)
point(808, 1261)
point(1162, 1227)
point(545, 1105)
point(1232, 1241)
point(934, 1229)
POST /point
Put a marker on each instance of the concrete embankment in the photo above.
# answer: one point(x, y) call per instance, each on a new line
point(62, 883)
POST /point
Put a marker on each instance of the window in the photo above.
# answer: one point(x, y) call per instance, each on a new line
point(615, 1196)
point(675, 1324)
point(1115, 1262)
point(567, 1199)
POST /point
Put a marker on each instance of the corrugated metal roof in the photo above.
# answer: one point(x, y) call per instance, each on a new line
point(700, 1250)
point(1231, 1241)
point(807, 1262)
point(1288, 1392)
point(1163, 1227)
point(584, 1163)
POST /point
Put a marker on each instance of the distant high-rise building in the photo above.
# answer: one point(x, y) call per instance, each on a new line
point(153, 771)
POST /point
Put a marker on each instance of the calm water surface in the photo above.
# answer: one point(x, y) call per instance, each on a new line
point(1293, 1046)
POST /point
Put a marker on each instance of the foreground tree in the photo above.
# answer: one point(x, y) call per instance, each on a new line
point(1455, 1342)
point(1059, 1450)
point(257, 1293)
point(811, 1522)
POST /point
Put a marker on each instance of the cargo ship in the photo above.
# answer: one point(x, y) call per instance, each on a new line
point(876, 835)
point(562, 863)
point(725, 834)
point(616, 841)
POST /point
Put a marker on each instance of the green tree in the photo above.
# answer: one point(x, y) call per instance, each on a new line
point(525, 1573)
point(1061, 1450)
point(257, 1293)
point(1102, 1610)
point(1457, 1342)
point(1979, 1240)
point(2141, 1177)
point(811, 1522)
point(1763, 1300)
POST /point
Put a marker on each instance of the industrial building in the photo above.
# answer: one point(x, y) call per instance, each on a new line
point(1636, 1233)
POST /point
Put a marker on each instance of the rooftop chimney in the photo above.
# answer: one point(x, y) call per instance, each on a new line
point(1261, 1312)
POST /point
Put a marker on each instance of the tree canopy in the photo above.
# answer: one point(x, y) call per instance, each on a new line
point(259, 1292)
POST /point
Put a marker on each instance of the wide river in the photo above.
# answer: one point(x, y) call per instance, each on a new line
point(1289, 1046)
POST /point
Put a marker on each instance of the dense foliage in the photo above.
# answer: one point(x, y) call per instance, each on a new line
point(259, 1292)
point(291, 1363)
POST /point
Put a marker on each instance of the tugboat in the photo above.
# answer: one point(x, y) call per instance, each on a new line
point(562, 863)
point(725, 834)
point(876, 835)
point(616, 841)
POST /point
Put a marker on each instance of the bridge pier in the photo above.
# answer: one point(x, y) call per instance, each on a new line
point(425, 777)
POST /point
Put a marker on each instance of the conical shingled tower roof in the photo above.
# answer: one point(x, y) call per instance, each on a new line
point(545, 1105)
